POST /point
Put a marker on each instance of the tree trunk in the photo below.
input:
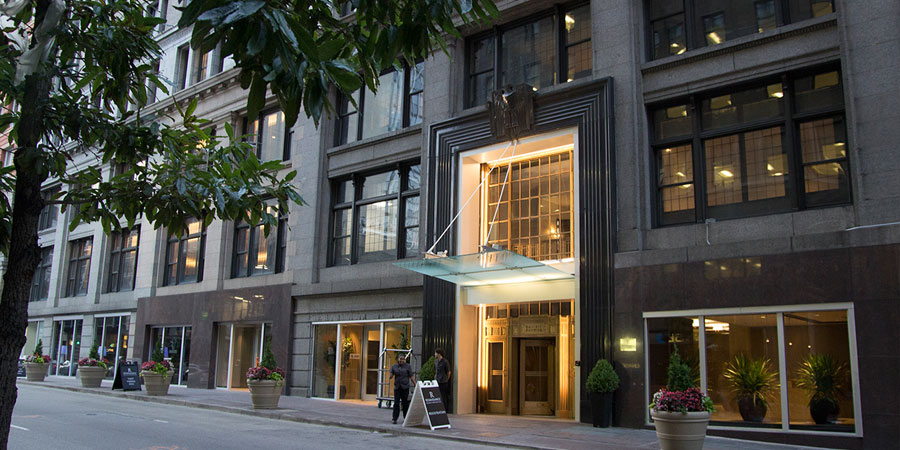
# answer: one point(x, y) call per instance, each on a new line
point(24, 253)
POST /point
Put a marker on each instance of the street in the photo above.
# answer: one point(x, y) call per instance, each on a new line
point(58, 419)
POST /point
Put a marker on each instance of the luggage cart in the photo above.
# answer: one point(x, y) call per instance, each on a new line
point(385, 385)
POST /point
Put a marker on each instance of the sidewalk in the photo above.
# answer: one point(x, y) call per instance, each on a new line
point(506, 431)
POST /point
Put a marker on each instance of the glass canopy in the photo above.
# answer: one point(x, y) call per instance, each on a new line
point(488, 267)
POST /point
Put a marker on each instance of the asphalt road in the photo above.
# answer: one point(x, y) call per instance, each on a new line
point(55, 419)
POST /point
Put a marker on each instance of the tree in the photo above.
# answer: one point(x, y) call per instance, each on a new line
point(65, 66)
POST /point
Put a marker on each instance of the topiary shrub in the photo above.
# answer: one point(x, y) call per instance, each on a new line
point(427, 371)
point(268, 358)
point(680, 378)
point(39, 348)
point(157, 355)
point(602, 378)
point(94, 354)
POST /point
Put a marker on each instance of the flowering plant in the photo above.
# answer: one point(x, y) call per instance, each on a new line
point(160, 367)
point(93, 362)
point(37, 359)
point(680, 394)
point(262, 373)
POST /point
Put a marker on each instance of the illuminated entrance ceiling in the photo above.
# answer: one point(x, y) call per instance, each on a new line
point(485, 268)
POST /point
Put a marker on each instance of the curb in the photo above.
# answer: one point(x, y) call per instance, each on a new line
point(276, 415)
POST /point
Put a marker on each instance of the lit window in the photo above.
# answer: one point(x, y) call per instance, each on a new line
point(255, 253)
point(184, 255)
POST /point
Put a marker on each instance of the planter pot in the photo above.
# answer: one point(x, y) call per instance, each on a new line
point(680, 431)
point(155, 383)
point(601, 409)
point(823, 411)
point(752, 411)
point(264, 394)
point(91, 376)
point(35, 372)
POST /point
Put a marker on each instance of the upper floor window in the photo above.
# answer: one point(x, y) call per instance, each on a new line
point(529, 209)
point(40, 284)
point(778, 145)
point(396, 105)
point(273, 140)
point(255, 253)
point(182, 66)
point(679, 25)
point(49, 213)
point(79, 266)
point(547, 49)
point(184, 255)
point(385, 206)
point(123, 259)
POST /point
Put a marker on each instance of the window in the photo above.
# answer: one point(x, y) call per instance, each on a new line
point(184, 255)
point(201, 67)
point(547, 49)
point(385, 206)
point(151, 88)
point(273, 141)
point(678, 25)
point(255, 253)
point(181, 66)
point(40, 284)
point(123, 259)
point(49, 213)
point(396, 105)
point(79, 266)
point(784, 351)
point(755, 150)
point(529, 210)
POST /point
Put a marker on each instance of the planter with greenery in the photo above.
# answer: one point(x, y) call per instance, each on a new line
point(679, 410)
point(427, 371)
point(600, 384)
point(157, 373)
point(266, 381)
point(92, 369)
point(36, 363)
point(753, 382)
point(824, 380)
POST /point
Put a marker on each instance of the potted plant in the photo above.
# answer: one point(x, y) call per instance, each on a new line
point(427, 371)
point(36, 363)
point(823, 378)
point(600, 384)
point(92, 369)
point(265, 381)
point(753, 382)
point(679, 410)
point(157, 373)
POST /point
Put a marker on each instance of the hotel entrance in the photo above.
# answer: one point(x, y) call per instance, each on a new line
point(526, 359)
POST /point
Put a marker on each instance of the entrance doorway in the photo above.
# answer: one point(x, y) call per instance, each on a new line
point(239, 347)
point(536, 381)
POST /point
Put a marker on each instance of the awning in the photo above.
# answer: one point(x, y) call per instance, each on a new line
point(485, 268)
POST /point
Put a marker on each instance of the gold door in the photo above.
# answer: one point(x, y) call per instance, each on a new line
point(536, 381)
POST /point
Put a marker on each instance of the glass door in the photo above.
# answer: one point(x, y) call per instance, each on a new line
point(111, 336)
point(239, 347)
point(223, 352)
point(536, 377)
point(371, 352)
point(66, 347)
point(351, 361)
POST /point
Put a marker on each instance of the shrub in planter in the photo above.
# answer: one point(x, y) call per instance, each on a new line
point(157, 375)
point(36, 363)
point(266, 381)
point(679, 410)
point(753, 382)
point(92, 369)
point(427, 370)
point(601, 383)
point(824, 379)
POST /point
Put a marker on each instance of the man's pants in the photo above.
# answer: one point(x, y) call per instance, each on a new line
point(401, 395)
point(445, 395)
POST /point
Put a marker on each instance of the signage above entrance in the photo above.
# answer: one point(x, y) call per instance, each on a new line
point(485, 268)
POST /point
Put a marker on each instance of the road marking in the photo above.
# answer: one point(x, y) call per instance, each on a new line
point(19, 428)
point(160, 421)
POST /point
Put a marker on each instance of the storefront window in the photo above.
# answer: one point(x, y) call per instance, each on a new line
point(748, 356)
point(66, 347)
point(175, 343)
point(324, 358)
point(742, 369)
point(111, 336)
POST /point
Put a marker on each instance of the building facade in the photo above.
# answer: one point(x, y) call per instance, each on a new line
point(715, 177)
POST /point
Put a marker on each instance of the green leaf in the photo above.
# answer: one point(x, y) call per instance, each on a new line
point(256, 98)
point(246, 9)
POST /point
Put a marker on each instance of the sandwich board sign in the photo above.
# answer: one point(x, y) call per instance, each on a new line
point(427, 405)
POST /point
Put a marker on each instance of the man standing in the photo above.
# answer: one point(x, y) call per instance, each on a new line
point(442, 375)
point(402, 374)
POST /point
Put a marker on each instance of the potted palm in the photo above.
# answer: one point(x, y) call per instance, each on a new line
point(600, 384)
point(679, 410)
point(823, 378)
point(157, 373)
point(92, 369)
point(753, 382)
point(265, 381)
point(36, 363)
